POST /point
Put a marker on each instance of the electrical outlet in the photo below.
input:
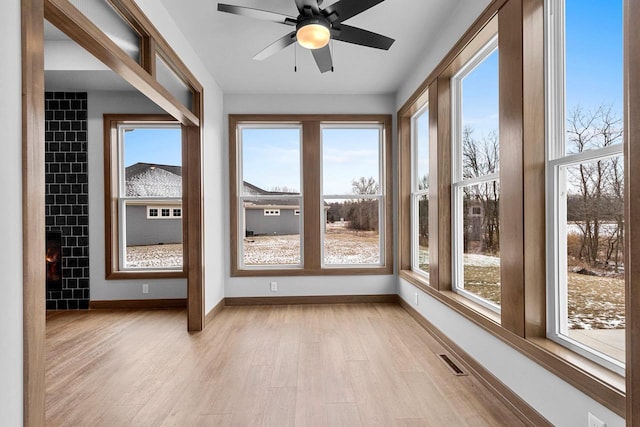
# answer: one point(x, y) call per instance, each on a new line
point(594, 421)
point(145, 288)
point(274, 286)
point(416, 296)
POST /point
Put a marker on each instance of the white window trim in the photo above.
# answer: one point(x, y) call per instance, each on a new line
point(380, 196)
point(242, 198)
point(458, 181)
point(416, 194)
point(124, 200)
point(557, 279)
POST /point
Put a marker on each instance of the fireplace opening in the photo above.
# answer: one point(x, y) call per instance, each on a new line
point(53, 259)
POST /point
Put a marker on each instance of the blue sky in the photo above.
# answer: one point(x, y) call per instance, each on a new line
point(147, 145)
point(594, 54)
point(271, 158)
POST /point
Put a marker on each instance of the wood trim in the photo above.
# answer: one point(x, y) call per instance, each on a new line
point(443, 147)
point(311, 190)
point(211, 315)
point(311, 161)
point(133, 14)
point(592, 379)
point(33, 222)
point(143, 304)
point(511, 167)
point(434, 188)
point(111, 238)
point(79, 28)
point(315, 299)
point(533, 135)
point(520, 407)
point(490, 11)
point(404, 191)
point(632, 206)
point(193, 227)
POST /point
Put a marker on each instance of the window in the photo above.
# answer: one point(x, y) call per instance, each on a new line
point(310, 195)
point(269, 176)
point(585, 177)
point(420, 191)
point(475, 179)
point(157, 212)
point(144, 184)
point(352, 195)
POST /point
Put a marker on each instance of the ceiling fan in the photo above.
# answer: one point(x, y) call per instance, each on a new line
point(314, 27)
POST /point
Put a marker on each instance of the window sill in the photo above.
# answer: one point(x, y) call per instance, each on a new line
point(135, 275)
point(340, 271)
point(599, 383)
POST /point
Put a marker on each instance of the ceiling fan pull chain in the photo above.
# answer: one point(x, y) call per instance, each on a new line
point(295, 58)
point(333, 55)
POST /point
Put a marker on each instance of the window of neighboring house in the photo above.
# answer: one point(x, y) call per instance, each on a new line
point(269, 175)
point(145, 183)
point(352, 194)
point(155, 212)
point(475, 178)
point(310, 195)
point(585, 178)
point(420, 192)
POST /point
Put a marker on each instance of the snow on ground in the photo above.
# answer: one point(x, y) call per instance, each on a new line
point(154, 256)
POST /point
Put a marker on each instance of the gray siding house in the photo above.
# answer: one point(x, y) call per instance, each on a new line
point(152, 219)
point(270, 217)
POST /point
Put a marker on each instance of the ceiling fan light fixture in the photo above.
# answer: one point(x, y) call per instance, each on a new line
point(313, 34)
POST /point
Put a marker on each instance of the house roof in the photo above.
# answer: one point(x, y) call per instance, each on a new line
point(153, 180)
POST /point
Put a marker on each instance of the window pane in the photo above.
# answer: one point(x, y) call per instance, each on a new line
point(270, 160)
point(174, 84)
point(151, 243)
point(271, 232)
point(153, 162)
point(421, 144)
point(594, 226)
point(351, 231)
point(479, 121)
point(423, 233)
point(594, 51)
point(481, 240)
point(351, 161)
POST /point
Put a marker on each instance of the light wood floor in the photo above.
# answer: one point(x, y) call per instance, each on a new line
point(312, 365)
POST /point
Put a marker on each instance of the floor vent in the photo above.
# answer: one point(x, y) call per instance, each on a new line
point(452, 365)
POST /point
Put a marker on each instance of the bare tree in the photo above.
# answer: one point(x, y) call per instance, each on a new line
point(596, 205)
point(480, 157)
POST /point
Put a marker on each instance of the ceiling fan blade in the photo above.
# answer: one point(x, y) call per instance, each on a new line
point(276, 46)
point(257, 14)
point(313, 4)
point(345, 9)
point(363, 37)
point(323, 58)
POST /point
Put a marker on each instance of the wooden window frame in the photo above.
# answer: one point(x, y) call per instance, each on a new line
point(113, 269)
point(311, 163)
point(521, 325)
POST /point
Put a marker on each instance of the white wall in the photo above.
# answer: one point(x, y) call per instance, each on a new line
point(213, 156)
point(11, 226)
point(302, 104)
point(99, 103)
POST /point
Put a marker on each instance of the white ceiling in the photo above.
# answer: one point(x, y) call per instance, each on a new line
point(226, 44)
